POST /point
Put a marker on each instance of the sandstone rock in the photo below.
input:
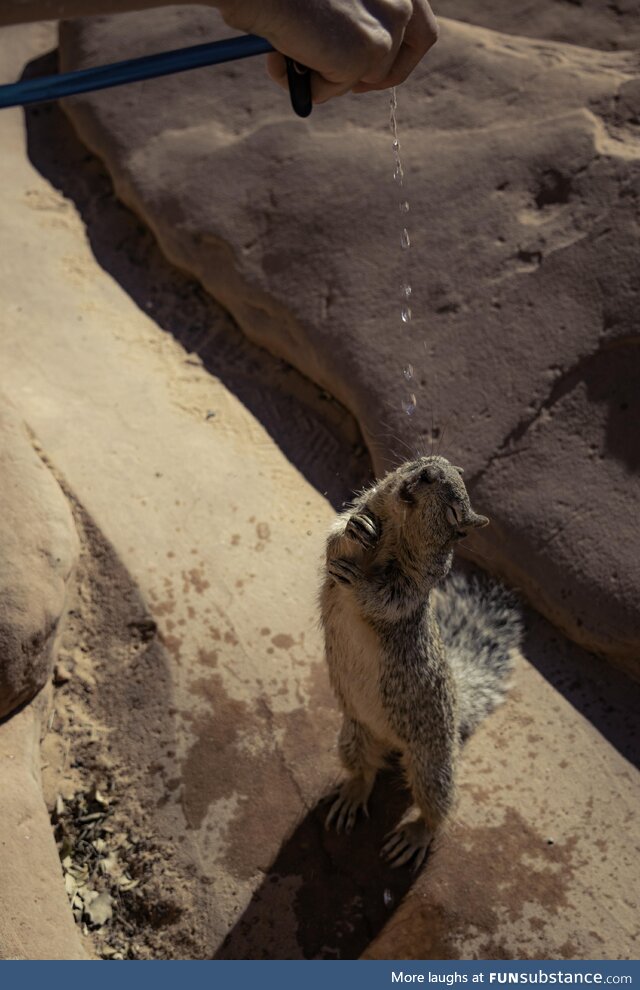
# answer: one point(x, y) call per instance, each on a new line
point(523, 175)
point(586, 22)
point(39, 548)
point(35, 919)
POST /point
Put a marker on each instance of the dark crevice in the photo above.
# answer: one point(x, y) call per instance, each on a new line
point(555, 188)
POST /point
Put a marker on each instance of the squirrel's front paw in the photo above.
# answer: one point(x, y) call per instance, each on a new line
point(408, 840)
point(362, 529)
point(343, 570)
point(351, 798)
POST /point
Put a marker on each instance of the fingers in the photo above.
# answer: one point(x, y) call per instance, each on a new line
point(403, 66)
point(277, 69)
point(385, 41)
point(380, 42)
point(321, 89)
point(420, 35)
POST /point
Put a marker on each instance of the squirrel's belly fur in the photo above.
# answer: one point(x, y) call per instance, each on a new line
point(353, 653)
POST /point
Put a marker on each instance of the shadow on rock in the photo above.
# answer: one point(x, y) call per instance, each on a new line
point(326, 896)
point(605, 696)
point(306, 423)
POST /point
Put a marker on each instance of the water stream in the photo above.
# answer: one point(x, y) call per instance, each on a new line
point(409, 403)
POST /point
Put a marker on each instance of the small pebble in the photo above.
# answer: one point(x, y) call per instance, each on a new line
point(61, 674)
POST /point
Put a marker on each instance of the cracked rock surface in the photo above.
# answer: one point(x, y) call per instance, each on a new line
point(522, 167)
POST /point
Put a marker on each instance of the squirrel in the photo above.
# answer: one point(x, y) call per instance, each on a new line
point(415, 667)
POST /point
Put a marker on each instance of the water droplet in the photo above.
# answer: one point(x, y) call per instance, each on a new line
point(409, 405)
point(405, 314)
point(404, 239)
point(387, 898)
point(407, 371)
point(404, 206)
point(406, 290)
point(396, 145)
point(398, 173)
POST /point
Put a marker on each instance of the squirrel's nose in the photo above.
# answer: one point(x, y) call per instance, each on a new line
point(430, 474)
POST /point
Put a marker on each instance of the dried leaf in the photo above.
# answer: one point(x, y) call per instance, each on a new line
point(79, 873)
point(77, 902)
point(93, 817)
point(111, 866)
point(66, 848)
point(125, 883)
point(70, 884)
point(100, 910)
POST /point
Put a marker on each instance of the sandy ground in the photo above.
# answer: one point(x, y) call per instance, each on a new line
point(191, 735)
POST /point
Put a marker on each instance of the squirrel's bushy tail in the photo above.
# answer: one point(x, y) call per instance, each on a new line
point(481, 624)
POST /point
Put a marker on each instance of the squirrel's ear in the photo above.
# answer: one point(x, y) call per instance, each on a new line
point(473, 519)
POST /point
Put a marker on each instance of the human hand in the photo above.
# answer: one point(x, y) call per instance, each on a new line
point(350, 45)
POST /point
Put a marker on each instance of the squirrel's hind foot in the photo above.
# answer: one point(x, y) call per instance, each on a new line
point(351, 798)
point(409, 840)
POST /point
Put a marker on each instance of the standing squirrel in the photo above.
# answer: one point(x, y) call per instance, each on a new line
point(415, 667)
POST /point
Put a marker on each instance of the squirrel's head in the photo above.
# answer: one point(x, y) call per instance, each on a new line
point(427, 498)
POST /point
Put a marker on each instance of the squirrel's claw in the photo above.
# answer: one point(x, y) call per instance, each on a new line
point(395, 840)
point(402, 856)
point(408, 840)
point(343, 570)
point(351, 798)
point(420, 858)
point(344, 813)
point(362, 529)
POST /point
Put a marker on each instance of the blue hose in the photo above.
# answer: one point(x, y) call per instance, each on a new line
point(132, 70)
